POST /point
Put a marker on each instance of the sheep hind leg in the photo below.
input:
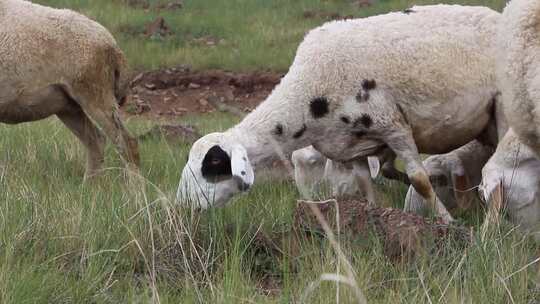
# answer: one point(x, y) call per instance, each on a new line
point(106, 117)
point(402, 143)
point(90, 136)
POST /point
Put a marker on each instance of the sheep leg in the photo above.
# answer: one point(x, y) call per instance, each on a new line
point(111, 125)
point(364, 181)
point(90, 136)
point(402, 143)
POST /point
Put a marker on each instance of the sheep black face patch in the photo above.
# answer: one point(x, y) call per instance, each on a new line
point(216, 164)
point(318, 107)
point(300, 132)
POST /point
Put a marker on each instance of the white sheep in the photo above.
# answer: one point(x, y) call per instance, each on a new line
point(309, 170)
point(421, 80)
point(518, 69)
point(516, 168)
point(58, 62)
point(312, 170)
point(454, 176)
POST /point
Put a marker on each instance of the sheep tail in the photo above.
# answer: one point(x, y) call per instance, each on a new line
point(121, 76)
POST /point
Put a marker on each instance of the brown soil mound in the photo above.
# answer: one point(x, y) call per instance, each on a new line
point(403, 234)
point(179, 91)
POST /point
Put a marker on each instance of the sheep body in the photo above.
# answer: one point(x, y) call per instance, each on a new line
point(518, 69)
point(58, 62)
point(422, 81)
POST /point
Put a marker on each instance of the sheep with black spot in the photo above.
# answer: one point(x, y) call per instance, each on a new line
point(430, 82)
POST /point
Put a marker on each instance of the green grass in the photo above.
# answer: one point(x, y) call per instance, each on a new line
point(62, 241)
point(257, 34)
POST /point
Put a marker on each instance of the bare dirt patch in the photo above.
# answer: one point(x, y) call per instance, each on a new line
point(180, 91)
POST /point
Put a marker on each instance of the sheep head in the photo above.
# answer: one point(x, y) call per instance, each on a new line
point(216, 170)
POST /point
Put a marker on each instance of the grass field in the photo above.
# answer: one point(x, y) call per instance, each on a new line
point(257, 34)
point(62, 241)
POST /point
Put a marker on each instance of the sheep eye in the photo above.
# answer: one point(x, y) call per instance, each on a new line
point(216, 165)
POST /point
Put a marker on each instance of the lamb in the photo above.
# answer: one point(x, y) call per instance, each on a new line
point(515, 167)
point(518, 69)
point(346, 180)
point(312, 170)
point(309, 170)
point(421, 81)
point(58, 62)
point(454, 176)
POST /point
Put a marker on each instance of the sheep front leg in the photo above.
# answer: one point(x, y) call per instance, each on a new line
point(402, 143)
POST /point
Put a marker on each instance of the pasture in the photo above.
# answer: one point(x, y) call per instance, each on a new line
point(116, 241)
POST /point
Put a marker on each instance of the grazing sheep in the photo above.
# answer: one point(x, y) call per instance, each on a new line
point(309, 170)
point(58, 62)
point(518, 69)
point(349, 180)
point(421, 81)
point(516, 168)
point(454, 176)
point(346, 180)
point(312, 169)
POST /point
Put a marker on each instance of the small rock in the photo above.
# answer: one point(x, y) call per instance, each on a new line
point(150, 86)
point(144, 107)
point(229, 96)
point(194, 85)
point(203, 102)
point(137, 78)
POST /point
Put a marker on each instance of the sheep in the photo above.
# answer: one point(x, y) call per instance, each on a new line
point(515, 167)
point(454, 176)
point(312, 170)
point(346, 180)
point(58, 62)
point(309, 167)
point(421, 81)
point(518, 69)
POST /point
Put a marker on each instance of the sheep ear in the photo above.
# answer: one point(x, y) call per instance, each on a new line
point(374, 166)
point(240, 166)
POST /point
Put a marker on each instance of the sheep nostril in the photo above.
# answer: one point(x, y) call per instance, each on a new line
point(242, 186)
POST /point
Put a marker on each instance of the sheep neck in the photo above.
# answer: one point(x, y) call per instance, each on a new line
point(257, 133)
